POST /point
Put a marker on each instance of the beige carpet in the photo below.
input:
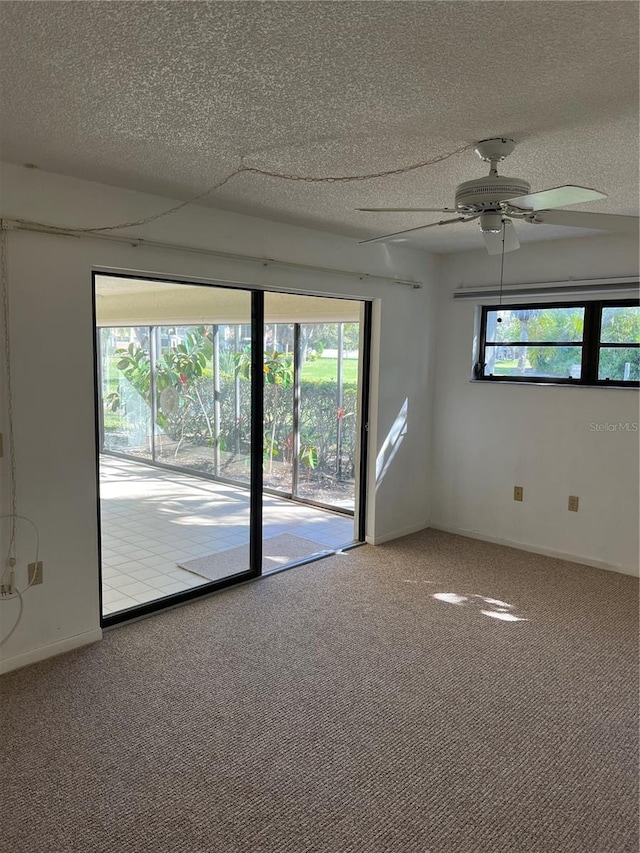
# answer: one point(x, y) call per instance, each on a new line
point(375, 704)
point(277, 551)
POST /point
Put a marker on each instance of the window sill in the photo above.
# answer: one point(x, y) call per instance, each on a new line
point(522, 384)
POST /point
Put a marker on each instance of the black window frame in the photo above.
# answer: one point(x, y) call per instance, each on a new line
point(590, 344)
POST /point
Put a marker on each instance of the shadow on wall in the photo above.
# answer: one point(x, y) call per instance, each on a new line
point(392, 443)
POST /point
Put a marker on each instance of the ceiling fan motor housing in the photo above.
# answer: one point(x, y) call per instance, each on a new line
point(485, 194)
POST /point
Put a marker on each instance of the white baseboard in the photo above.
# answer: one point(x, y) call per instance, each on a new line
point(44, 652)
point(397, 534)
point(535, 549)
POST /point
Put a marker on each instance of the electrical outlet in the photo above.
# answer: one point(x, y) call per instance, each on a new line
point(9, 578)
point(573, 503)
point(518, 493)
point(35, 573)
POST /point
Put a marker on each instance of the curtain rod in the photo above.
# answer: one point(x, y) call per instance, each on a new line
point(157, 244)
point(541, 288)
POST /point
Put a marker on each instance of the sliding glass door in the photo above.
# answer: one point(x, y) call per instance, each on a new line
point(176, 404)
point(227, 435)
point(310, 368)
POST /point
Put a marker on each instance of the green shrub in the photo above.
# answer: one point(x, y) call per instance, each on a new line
point(327, 432)
point(319, 417)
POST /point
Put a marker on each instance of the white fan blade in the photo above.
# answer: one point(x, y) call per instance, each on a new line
point(556, 197)
point(598, 221)
point(407, 209)
point(493, 241)
point(419, 228)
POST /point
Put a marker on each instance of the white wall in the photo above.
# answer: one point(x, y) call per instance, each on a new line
point(489, 437)
point(52, 359)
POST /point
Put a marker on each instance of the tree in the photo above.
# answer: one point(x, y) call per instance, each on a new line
point(321, 336)
point(179, 368)
point(620, 325)
point(556, 325)
point(278, 374)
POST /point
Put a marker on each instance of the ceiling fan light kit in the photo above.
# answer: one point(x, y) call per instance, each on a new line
point(497, 200)
point(491, 223)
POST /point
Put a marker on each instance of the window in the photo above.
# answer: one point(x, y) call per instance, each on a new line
point(619, 344)
point(589, 343)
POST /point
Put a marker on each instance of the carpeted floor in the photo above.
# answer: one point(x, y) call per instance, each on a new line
point(432, 695)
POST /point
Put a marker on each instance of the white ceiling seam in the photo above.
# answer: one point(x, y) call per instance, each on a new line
point(139, 242)
point(168, 98)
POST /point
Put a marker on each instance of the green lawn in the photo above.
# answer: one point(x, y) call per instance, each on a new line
point(327, 368)
point(506, 368)
point(112, 421)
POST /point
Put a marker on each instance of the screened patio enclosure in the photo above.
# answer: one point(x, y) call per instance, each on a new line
point(177, 393)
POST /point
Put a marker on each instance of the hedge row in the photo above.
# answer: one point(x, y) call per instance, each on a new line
point(320, 416)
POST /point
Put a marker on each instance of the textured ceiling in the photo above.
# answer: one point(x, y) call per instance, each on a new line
point(166, 98)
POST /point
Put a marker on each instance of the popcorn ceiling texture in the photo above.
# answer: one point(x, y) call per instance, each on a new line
point(166, 98)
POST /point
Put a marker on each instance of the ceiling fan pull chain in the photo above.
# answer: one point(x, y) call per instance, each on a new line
point(504, 226)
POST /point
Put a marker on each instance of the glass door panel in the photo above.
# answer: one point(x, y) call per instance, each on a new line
point(309, 402)
point(178, 393)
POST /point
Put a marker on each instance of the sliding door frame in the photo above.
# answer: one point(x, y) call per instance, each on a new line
point(295, 475)
point(257, 433)
point(365, 414)
point(256, 483)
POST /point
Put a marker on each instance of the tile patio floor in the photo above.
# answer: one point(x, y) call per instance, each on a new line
point(152, 518)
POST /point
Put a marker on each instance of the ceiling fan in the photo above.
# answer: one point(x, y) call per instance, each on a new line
point(496, 200)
